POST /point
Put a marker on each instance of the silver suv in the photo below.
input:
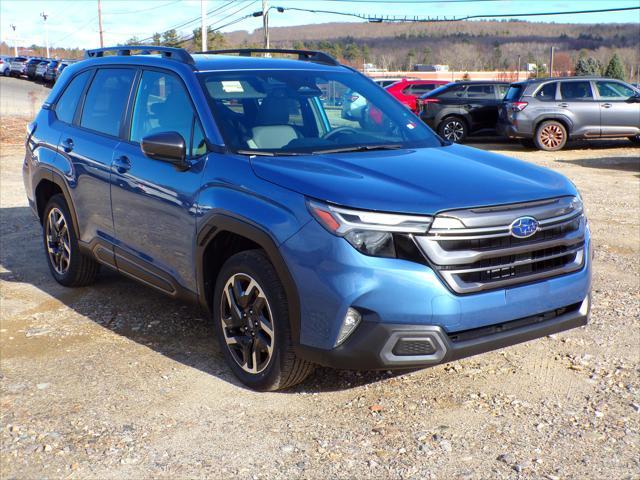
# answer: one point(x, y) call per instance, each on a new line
point(547, 112)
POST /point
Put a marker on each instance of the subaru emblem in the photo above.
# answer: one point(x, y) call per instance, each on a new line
point(524, 227)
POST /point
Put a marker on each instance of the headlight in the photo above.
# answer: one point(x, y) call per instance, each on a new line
point(369, 232)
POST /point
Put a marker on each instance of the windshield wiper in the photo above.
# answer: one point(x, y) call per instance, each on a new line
point(263, 153)
point(360, 148)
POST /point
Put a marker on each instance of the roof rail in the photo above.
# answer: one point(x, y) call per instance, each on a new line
point(179, 54)
point(304, 55)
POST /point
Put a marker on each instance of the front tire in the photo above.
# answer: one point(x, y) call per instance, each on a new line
point(69, 266)
point(453, 129)
point(551, 136)
point(251, 319)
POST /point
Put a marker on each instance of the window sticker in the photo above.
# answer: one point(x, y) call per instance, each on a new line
point(232, 86)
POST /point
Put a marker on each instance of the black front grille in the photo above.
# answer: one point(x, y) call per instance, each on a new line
point(480, 332)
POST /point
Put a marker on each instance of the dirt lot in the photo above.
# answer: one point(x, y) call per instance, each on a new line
point(116, 381)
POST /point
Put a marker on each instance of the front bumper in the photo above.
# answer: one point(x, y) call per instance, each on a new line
point(374, 346)
point(399, 295)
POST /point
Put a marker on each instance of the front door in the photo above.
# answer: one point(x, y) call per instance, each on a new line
point(618, 115)
point(153, 202)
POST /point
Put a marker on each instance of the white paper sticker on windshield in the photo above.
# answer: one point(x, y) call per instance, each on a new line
point(232, 86)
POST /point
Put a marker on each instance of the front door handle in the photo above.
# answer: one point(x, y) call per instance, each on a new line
point(563, 104)
point(122, 164)
point(67, 145)
point(606, 105)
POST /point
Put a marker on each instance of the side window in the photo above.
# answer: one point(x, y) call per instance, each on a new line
point(576, 91)
point(162, 105)
point(106, 100)
point(547, 93)
point(199, 145)
point(457, 91)
point(480, 91)
point(66, 105)
point(613, 90)
point(421, 89)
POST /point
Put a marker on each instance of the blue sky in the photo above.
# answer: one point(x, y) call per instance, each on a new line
point(73, 23)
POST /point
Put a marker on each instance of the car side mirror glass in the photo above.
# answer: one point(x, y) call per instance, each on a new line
point(167, 147)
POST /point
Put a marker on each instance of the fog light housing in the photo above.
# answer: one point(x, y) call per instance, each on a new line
point(351, 321)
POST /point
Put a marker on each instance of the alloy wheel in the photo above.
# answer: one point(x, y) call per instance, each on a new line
point(453, 130)
point(58, 241)
point(247, 323)
point(551, 136)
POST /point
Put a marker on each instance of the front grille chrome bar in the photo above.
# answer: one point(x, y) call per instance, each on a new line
point(484, 255)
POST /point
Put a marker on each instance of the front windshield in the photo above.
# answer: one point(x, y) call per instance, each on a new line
point(304, 111)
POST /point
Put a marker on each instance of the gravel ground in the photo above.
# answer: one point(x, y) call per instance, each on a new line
point(115, 380)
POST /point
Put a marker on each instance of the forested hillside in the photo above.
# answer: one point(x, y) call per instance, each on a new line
point(478, 45)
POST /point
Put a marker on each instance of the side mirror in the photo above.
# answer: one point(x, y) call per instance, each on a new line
point(167, 147)
point(634, 98)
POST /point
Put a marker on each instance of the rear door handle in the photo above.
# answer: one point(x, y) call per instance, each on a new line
point(67, 145)
point(122, 164)
point(563, 104)
point(606, 105)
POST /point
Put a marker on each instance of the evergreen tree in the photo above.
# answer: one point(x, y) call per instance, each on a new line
point(587, 66)
point(156, 39)
point(170, 38)
point(615, 69)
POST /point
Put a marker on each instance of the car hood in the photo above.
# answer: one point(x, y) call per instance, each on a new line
point(421, 181)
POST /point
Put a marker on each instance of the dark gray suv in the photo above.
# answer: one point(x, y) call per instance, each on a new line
point(547, 112)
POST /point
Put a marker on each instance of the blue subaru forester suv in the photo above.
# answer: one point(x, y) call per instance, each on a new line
point(368, 243)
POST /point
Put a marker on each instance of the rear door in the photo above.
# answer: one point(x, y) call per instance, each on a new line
point(153, 201)
point(579, 104)
point(618, 115)
point(89, 137)
point(482, 106)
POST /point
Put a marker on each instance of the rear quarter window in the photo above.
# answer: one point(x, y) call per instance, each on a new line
point(66, 106)
point(514, 93)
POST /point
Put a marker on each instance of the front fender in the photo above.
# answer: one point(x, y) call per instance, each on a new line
point(233, 199)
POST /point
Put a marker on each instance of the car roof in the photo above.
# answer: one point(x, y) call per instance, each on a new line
point(529, 81)
point(214, 62)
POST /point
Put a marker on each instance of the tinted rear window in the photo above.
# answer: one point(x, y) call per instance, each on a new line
point(106, 99)
point(66, 105)
point(514, 92)
point(547, 93)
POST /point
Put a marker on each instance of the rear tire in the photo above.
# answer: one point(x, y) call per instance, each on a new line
point(453, 129)
point(635, 139)
point(69, 266)
point(251, 319)
point(551, 136)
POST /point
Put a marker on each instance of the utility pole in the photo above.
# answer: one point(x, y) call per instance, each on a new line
point(265, 22)
point(203, 24)
point(46, 32)
point(15, 41)
point(518, 71)
point(100, 24)
point(551, 62)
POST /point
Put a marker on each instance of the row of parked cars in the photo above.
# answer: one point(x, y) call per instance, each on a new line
point(46, 70)
point(544, 113)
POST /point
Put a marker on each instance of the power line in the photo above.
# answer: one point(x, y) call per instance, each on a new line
point(395, 18)
point(144, 9)
point(193, 20)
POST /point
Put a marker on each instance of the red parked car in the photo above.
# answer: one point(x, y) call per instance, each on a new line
point(406, 91)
